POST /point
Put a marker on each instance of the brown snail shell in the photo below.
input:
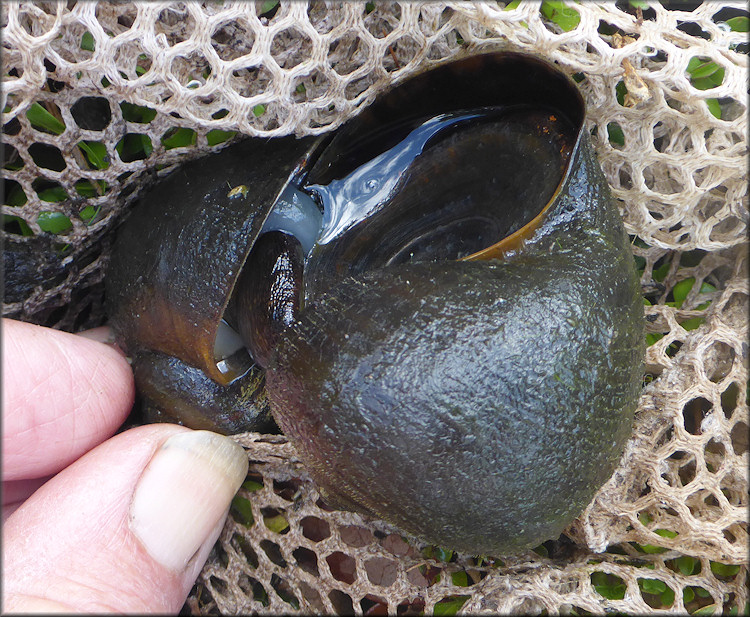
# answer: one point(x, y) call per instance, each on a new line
point(173, 271)
point(462, 355)
point(178, 259)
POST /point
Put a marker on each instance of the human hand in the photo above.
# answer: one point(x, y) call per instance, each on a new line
point(98, 523)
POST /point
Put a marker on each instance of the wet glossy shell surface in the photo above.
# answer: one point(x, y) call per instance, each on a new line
point(479, 405)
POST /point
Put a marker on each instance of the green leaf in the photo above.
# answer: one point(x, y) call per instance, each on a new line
point(721, 569)
point(9, 220)
point(259, 110)
point(443, 554)
point(688, 595)
point(704, 73)
point(460, 578)
point(87, 189)
point(667, 597)
point(599, 578)
point(652, 585)
point(650, 549)
point(369, 7)
point(449, 606)
point(608, 585)
point(611, 592)
point(87, 41)
point(639, 4)
point(268, 5)
point(706, 610)
point(703, 84)
point(693, 323)
point(277, 523)
point(564, 16)
point(89, 213)
point(541, 549)
point(179, 137)
point(243, 511)
point(137, 113)
point(134, 146)
point(714, 108)
point(512, 5)
point(686, 565)
point(43, 120)
point(54, 194)
point(54, 222)
point(718, 77)
point(652, 337)
point(218, 136)
point(95, 153)
point(440, 554)
point(620, 92)
point(616, 136)
point(252, 485)
point(553, 5)
point(701, 69)
point(681, 290)
point(739, 23)
point(701, 593)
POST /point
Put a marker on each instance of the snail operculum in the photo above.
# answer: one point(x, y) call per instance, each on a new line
point(174, 268)
point(269, 293)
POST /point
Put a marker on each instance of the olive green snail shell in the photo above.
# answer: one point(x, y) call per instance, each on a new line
point(173, 269)
point(476, 404)
point(476, 401)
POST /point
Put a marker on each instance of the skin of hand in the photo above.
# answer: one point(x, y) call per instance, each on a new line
point(92, 522)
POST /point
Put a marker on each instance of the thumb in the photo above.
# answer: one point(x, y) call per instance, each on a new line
point(125, 528)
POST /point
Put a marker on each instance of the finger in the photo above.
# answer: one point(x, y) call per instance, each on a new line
point(15, 492)
point(62, 395)
point(126, 528)
point(102, 334)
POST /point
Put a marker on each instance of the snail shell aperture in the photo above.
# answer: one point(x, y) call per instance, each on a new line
point(439, 297)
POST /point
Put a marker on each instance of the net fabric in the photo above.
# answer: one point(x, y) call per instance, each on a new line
point(135, 88)
point(307, 69)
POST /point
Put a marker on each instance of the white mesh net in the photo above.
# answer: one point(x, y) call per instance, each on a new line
point(101, 98)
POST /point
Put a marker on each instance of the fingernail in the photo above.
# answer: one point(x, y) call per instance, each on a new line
point(102, 334)
point(184, 492)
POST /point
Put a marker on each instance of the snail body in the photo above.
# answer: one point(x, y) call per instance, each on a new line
point(439, 297)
